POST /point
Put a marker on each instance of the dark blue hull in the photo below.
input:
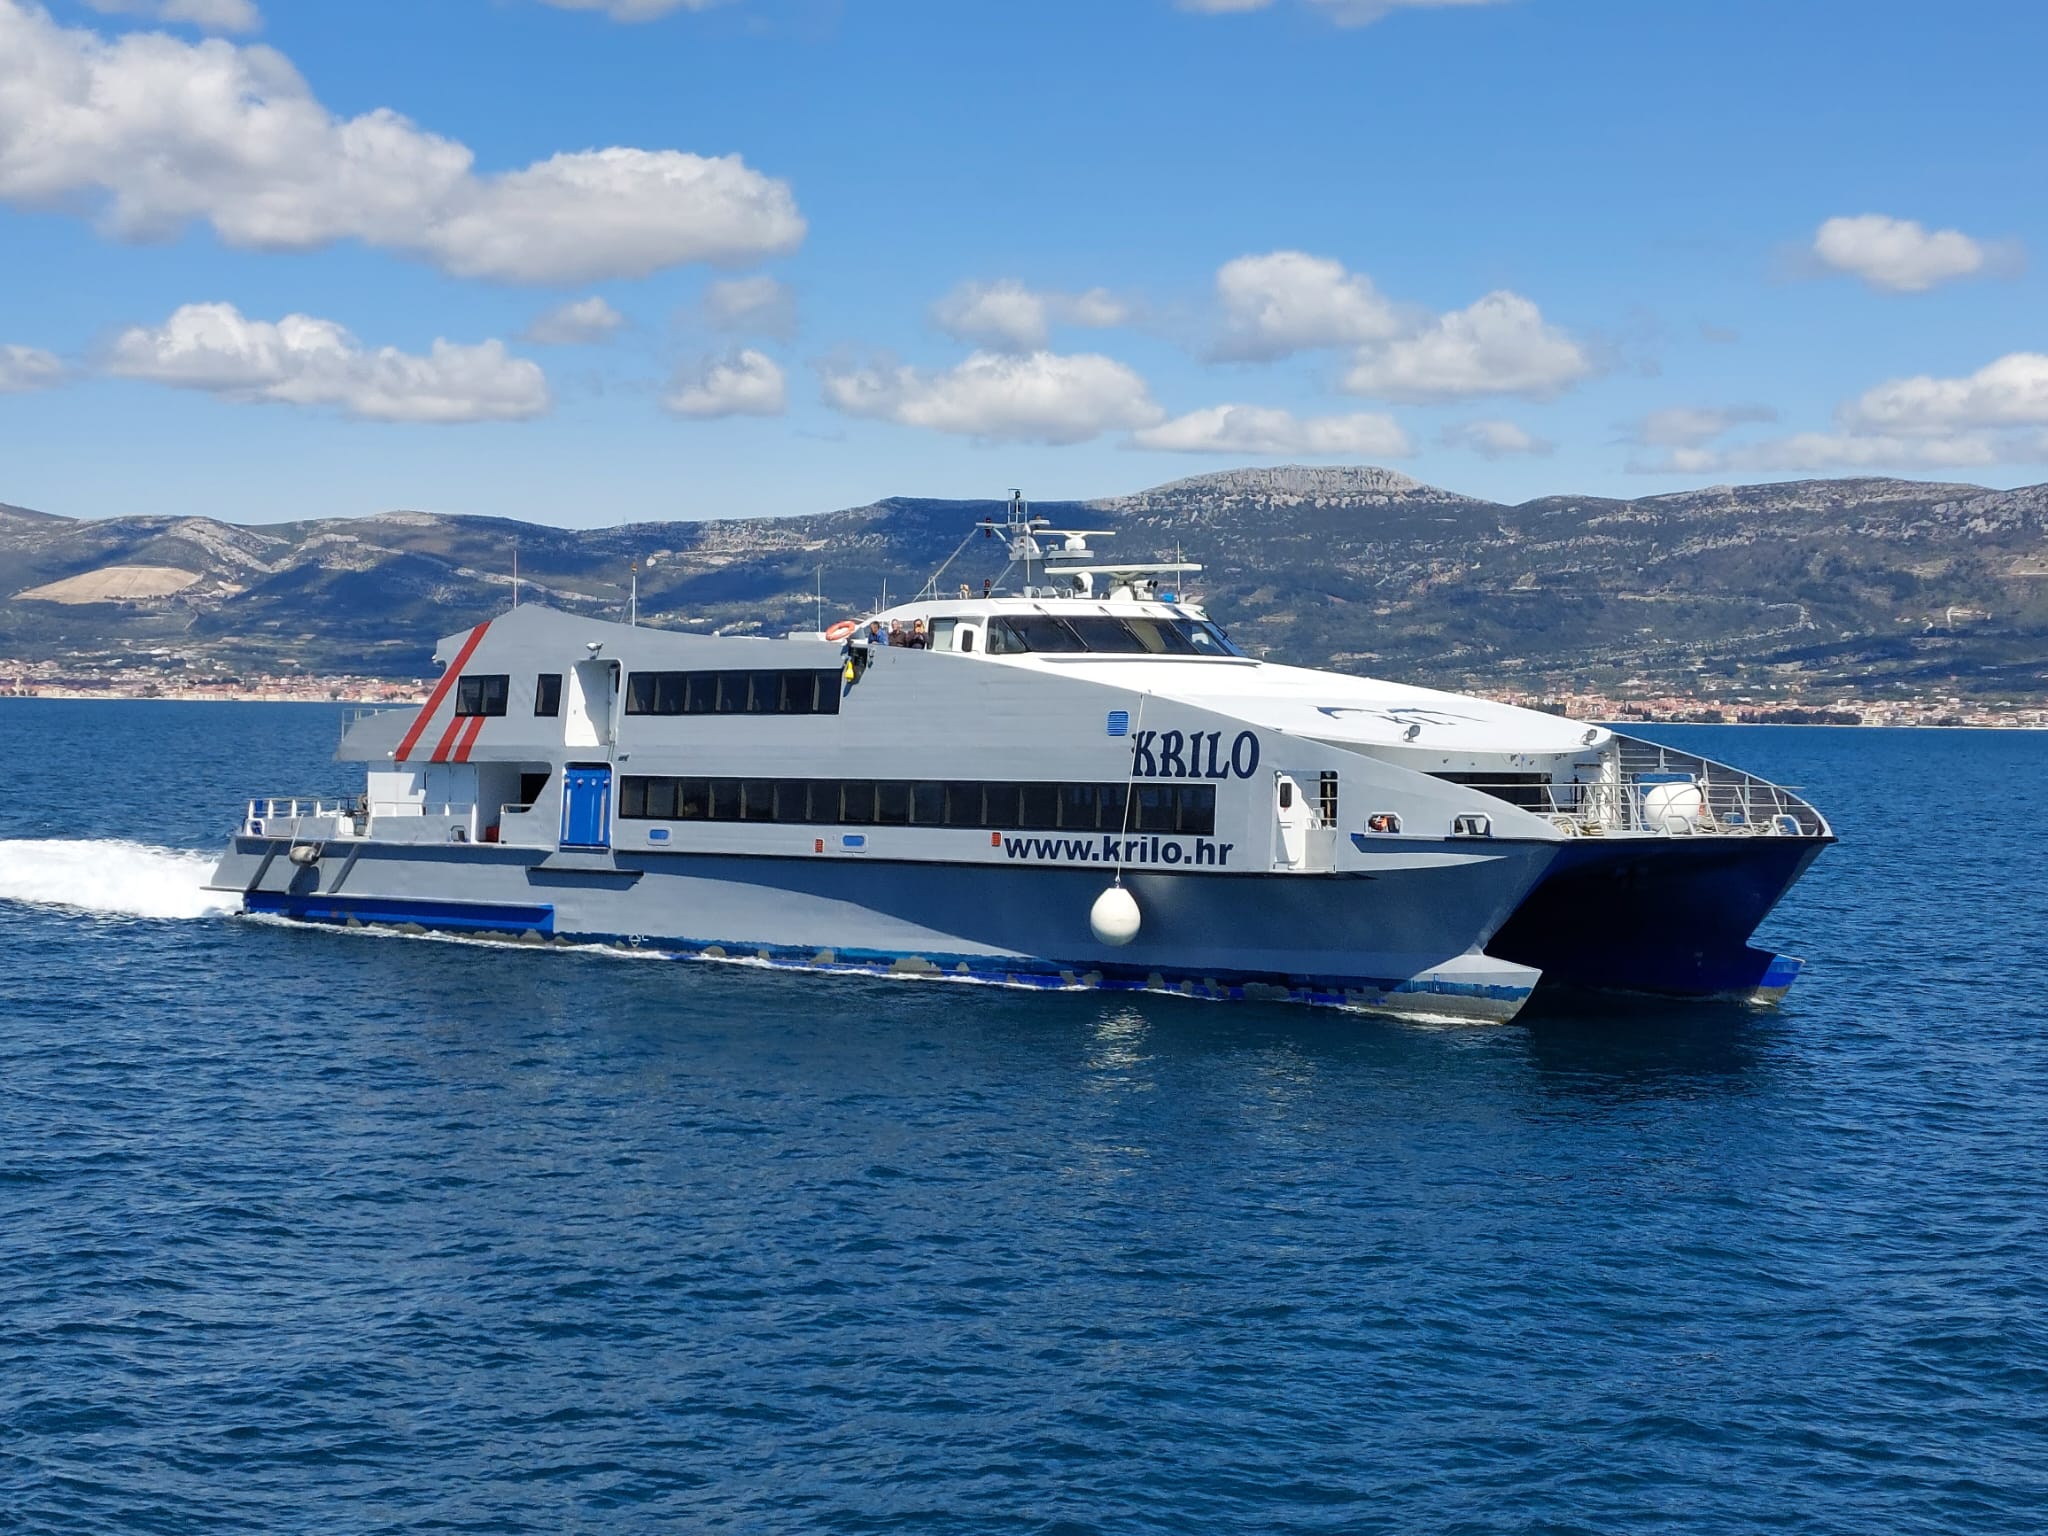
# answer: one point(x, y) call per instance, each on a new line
point(1671, 917)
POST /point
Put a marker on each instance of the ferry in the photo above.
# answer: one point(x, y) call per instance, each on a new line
point(1071, 779)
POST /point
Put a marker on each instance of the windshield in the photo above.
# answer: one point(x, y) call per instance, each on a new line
point(1105, 634)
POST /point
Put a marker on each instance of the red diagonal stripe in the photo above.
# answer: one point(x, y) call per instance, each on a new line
point(419, 724)
point(476, 724)
point(448, 736)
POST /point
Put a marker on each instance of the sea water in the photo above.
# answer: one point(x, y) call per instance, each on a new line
point(325, 1230)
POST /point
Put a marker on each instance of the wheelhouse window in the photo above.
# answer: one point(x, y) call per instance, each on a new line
point(1104, 634)
point(483, 695)
point(547, 694)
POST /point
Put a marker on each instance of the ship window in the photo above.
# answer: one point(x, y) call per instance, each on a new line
point(693, 799)
point(1031, 632)
point(700, 697)
point(1155, 808)
point(482, 695)
point(824, 801)
point(966, 638)
point(790, 800)
point(1159, 637)
point(661, 800)
point(725, 799)
point(547, 694)
point(633, 798)
point(892, 807)
point(1108, 635)
point(765, 695)
point(963, 805)
point(1078, 807)
point(999, 807)
point(654, 693)
point(1197, 808)
point(1206, 638)
point(732, 692)
point(928, 804)
point(942, 634)
point(757, 799)
point(1114, 807)
point(857, 803)
point(1041, 810)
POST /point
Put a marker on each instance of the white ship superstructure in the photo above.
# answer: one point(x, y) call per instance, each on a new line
point(1074, 780)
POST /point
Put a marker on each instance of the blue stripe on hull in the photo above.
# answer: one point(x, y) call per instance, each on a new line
point(455, 916)
point(1669, 917)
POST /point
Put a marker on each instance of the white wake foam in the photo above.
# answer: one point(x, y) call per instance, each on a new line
point(112, 876)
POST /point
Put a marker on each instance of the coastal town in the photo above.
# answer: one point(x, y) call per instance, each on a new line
point(21, 679)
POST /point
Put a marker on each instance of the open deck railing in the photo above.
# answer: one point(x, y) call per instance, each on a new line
point(1648, 794)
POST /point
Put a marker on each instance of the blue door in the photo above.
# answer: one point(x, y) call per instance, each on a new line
point(587, 805)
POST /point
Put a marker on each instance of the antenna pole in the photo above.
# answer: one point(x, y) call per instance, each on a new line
point(515, 573)
point(633, 612)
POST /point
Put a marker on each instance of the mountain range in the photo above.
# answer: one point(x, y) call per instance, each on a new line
point(1873, 586)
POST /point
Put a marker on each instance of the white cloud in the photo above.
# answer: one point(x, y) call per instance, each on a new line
point(1498, 345)
point(1345, 13)
point(1011, 317)
point(1899, 255)
point(2011, 392)
point(1997, 415)
point(632, 10)
point(1290, 301)
point(748, 383)
point(576, 324)
point(165, 132)
point(1263, 430)
point(207, 15)
point(1043, 397)
point(303, 361)
point(1842, 450)
point(757, 304)
point(1690, 426)
point(25, 368)
point(1497, 439)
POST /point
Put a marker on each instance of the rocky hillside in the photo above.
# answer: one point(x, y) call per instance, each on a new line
point(1876, 585)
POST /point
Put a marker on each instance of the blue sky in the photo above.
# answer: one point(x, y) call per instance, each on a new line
point(594, 261)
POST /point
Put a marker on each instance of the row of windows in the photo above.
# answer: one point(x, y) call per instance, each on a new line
point(1008, 807)
point(733, 693)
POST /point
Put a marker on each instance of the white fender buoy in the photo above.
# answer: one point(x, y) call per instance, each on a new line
point(1114, 917)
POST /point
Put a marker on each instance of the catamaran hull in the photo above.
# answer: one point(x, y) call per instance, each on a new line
point(1672, 917)
point(1403, 941)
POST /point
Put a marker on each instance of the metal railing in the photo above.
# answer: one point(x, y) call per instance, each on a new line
point(310, 817)
point(1659, 789)
point(297, 816)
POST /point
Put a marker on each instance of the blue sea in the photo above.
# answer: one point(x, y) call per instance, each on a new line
point(314, 1230)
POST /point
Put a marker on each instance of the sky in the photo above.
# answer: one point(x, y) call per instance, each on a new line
point(588, 262)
